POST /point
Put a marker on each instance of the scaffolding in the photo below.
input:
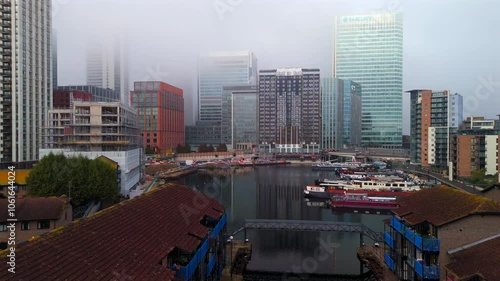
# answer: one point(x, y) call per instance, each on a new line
point(93, 126)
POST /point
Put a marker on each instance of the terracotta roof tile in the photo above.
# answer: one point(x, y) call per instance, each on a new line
point(127, 240)
point(32, 209)
point(441, 205)
point(482, 259)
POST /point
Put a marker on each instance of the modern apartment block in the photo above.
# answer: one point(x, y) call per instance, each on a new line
point(160, 108)
point(26, 77)
point(433, 223)
point(430, 126)
point(341, 113)
point(107, 64)
point(456, 111)
point(239, 116)
point(475, 147)
point(98, 94)
point(208, 133)
point(289, 110)
point(94, 129)
point(222, 69)
point(368, 49)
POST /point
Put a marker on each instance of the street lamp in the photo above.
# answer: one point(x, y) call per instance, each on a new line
point(231, 260)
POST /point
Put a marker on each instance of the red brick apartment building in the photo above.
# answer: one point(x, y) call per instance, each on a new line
point(35, 216)
point(160, 109)
point(170, 233)
point(431, 225)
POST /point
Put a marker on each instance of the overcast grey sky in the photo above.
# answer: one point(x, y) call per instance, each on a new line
point(452, 45)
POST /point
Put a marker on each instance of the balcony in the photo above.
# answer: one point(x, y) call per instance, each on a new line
point(389, 240)
point(389, 261)
point(426, 272)
point(424, 244)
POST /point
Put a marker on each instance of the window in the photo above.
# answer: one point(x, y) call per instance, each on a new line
point(25, 225)
point(43, 224)
point(3, 227)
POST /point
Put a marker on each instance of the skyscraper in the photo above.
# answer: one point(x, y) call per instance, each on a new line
point(368, 49)
point(289, 109)
point(222, 69)
point(341, 113)
point(26, 84)
point(107, 65)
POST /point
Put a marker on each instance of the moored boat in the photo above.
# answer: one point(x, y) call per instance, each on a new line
point(356, 200)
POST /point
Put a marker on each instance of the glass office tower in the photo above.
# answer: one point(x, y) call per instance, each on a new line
point(368, 49)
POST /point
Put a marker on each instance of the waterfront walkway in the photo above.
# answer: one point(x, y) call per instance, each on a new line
point(373, 258)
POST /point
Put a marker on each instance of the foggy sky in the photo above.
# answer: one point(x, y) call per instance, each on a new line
point(451, 45)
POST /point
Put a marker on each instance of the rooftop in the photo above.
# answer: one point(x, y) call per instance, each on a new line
point(478, 259)
point(441, 205)
point(129, 239)
point(35, 209)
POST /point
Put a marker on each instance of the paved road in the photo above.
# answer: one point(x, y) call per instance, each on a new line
point(439, 177)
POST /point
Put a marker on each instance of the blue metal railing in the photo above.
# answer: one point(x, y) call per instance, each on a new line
point(424, 244)
point(389, 240)
point(426, 272)
point(186, 272)
point(210, 266)
point(220, 225)
point(388, 260)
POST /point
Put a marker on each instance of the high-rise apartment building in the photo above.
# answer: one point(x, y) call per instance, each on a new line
point(222, 69)
point(368, 49)
point(160, 109)
point(341, 113)
point(289, 109)
point(239, 117)
point(475, 147)
point(107, 65)
point(98, 94)
point(430, 127)
point(26, 78)
point(456, 111)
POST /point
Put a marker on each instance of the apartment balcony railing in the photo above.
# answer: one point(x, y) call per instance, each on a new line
point(424, 244)
point(389, 261)
point(389, 240)
point(426, 272)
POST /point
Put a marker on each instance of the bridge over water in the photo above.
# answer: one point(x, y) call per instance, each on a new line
point(304, 225)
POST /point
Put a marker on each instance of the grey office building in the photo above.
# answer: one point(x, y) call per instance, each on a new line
point(239, 116)
point(289, 109)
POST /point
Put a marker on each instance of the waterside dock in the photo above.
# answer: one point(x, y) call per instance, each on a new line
point(373, 258)
point(238, 254)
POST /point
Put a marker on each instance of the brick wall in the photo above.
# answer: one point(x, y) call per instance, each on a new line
point(464, 231)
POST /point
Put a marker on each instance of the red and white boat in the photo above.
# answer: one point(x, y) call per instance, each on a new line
point(363, 200)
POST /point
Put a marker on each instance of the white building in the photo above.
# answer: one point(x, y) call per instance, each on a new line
point(107, 65)
point(94, 129)
point(25, 77)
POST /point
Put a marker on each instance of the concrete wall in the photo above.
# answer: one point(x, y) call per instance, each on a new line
point(491, 155)
point(464, 231)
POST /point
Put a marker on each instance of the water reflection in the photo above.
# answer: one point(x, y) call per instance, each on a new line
point(276, 192)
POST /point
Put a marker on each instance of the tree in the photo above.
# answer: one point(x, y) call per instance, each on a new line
point(180, 148)
point(477, 176)
point(222, 148)
point(149, 150)
point(187, 148)
point(210, 148)
point(202, 148)
point(80, 178)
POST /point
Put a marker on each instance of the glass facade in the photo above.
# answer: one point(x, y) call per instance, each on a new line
point(341, 113)
point(368, 49)
point(222, 69)
point(239, 115)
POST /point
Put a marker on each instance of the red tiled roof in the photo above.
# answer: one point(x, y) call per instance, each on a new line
point(32, 209)
point(128, 240)
point(482, 259)
point(441, 205)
